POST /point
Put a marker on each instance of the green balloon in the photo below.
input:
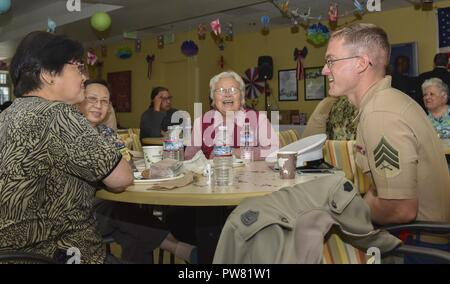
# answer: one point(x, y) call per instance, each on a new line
point(100, 21)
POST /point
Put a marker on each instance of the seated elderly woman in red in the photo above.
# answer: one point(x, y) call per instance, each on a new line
point(227, 92)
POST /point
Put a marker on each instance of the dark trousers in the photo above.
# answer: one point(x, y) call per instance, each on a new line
point(135, 228)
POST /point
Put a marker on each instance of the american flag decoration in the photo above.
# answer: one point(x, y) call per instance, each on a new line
point(444, 29)
point(253, 86)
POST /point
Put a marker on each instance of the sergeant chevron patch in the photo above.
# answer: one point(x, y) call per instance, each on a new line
point(387, 162)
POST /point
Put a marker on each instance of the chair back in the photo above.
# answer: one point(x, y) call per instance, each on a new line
point(341, 154)
point(287, 137)
point(24, 258)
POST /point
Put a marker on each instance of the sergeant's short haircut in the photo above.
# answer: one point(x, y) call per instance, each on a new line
point(441, 59)
point(366, 38)
point(226, 74)
point(38, 52)
point(439, 84)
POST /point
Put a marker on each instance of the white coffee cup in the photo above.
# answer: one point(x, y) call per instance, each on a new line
point(152, 154)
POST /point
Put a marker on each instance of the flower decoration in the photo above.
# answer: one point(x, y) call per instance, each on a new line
point(317, 34)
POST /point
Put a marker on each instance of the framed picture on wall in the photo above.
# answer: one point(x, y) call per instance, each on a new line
point(120, 84)
point(404, 59)
point(314, 84)
point(287, 85)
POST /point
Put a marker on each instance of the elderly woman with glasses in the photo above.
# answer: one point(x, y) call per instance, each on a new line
point(227, 94)
point(435, 98)
point(131, 226)
point(50, 156)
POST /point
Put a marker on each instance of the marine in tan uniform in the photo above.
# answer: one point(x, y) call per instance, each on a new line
point(396, 143)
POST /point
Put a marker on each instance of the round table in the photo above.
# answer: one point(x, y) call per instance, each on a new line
point(256, 179)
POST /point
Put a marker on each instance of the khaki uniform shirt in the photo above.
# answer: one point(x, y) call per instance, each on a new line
point(397, 144)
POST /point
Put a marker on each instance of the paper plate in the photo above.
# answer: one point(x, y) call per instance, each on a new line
point(308, 149)
point(148, 181)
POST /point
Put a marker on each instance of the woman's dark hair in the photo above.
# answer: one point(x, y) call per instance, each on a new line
point(37, 52)
point(156, 91)
point(98, 81)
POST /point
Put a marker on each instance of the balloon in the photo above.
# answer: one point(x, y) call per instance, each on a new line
point(100, 21)
point(5, 5)
point(265, 21)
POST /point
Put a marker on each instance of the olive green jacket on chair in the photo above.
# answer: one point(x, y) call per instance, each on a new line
point(290, 225)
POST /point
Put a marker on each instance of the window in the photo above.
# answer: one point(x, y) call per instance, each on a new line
point(4, 88)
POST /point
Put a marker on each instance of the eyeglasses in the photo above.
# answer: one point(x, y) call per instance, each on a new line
point(166, 98)
point(80, 67)
point(330, 62)
point(94, 101)
point(223, 91)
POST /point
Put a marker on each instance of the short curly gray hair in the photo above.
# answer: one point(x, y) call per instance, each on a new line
point(227, 74)
point(438, 83)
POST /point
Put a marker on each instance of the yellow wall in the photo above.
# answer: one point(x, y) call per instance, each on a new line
point(401, 25)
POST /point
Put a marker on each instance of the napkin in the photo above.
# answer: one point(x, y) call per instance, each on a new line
point(187, 178)
point(196, 164)
point(165, 168)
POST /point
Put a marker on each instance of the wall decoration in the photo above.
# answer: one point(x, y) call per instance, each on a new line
point(253, 86)
point(189, 48)
point(201, 31)
point(215, 27)
point(149, 60)
point(314, 84)
point(100, 21)
point(265, 20)
point(104, 50)
point(317, 34)
point(229, 32)
point(221, 62)
point(120, 83)
point(91, 57)
point(137, 45)
point(409, 50)
point(124, 52)
point(287, 85)
point(51, 26)
point(5, 5)
point(299, 56)
point(333, 13)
